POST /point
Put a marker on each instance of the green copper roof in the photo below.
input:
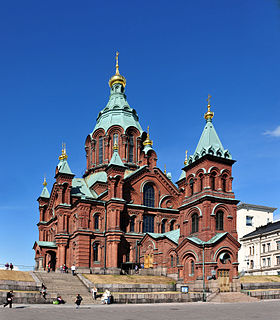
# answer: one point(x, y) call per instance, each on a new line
point(81, 190)
point(96, 177)
point(183, 175)
point(116, 160)
point(171, 235)
point(214, 239)
point(45, 193)
point(63, 167)
point(209, 143)
point(48, 244)
point(117, 112)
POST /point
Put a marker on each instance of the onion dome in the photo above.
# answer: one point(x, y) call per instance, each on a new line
point(117, 78)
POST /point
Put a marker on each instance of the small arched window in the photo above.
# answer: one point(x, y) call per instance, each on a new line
point(132, 224)
point(130, 148)
point(191, 183)
point(172, 261)
point(100, 150)
point(172, 225)
point(224, 183)
point(178, 261)
point(201, 182)
point(149, 195)
point(96, 222)
point(163, 224)
point(194, 223)
point(192, 267)
point(95, 252)
point(213, 180)
point(220, 220)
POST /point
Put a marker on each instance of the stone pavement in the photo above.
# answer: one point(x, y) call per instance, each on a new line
point(190, 311)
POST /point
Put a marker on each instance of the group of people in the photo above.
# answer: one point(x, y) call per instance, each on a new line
point(9, 266)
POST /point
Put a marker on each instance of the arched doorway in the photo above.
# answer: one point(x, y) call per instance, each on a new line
point(189, 268)
point(224, 270)
point(51, 258)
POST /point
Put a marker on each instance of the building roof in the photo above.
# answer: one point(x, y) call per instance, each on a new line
point(81, 190)
point(96, 177)
point(63, 167)
point(214, 239)
point(171, 235)
point(248, 206)
point(209, 143)
point(117, 112)
point(116, 160)
point(270, 227)
point(48, 244)
point(45, 193)
point(131, 174)
point(182, 176)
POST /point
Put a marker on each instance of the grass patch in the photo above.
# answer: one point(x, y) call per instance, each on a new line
point(127, 279)
point(15, 275)
point(255, 279)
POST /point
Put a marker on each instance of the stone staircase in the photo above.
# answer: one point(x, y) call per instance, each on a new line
point(231, 297)
point(65, 285)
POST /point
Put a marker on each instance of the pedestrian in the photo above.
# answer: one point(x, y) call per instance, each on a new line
point(9, 299)
point(94, 292)
point(11, 266)
point(49, 267)
point(136, 268)
point(78, 301)
point(7, 266)
point(73, 269)
point(43, 291)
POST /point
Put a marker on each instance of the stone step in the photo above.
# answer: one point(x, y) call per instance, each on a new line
point(230, 297)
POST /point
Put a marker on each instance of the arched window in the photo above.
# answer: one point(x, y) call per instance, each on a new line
point(194, 223)
point(192, 267)
point(63, 200)
point(220, 220)
point(172, 225)
point(191, 186)
point(96, 222)
point(213, 180)
point(224, 183)
point(172, 261)
point(148, 195)
point(178, 261)
point(201, 182)
point(132, 224)
point(163, 224)
point(148, 223)
point(95, 252)
point(100, 150)
point(130, 148)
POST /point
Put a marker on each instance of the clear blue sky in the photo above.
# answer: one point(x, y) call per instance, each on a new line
point(56, 58)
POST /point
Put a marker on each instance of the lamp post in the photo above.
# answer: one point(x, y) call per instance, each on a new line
point(203, 273)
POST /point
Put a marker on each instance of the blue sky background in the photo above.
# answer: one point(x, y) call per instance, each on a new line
point(56, 58)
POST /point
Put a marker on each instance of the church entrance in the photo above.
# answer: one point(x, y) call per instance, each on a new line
point(223, 278)
point(148, 260)
point(51, 258)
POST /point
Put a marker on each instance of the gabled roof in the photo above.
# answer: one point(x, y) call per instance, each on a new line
point(45, 193)
point(270, 227)
point(171, 235)
point(116, 160)
point(96, 177)
point(63, 167)
point(47, 244)
point(81, 190)
point(182, 176)
point(131, 174)
point(214, 239)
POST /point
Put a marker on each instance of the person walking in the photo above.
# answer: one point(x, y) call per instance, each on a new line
point(11, 266)
point(78, 301)
point(94, 292)
point(9, 299)
point(73, 269)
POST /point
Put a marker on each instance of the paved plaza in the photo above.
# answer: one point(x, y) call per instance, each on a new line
point(190, 311)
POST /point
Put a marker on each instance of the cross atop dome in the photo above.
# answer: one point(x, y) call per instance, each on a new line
point(117, 78)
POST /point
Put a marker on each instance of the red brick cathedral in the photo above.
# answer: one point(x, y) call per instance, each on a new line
point(126, 211)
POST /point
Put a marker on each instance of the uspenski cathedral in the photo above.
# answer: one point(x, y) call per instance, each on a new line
point(125, 211)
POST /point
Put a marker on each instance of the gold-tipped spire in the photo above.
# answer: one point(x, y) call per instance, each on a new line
point(186, 158)
point(165, 169)
point(115, 146)
point(148, 142)
point(209, 114)
point(117, 78)
point(45, 182)
point(63, 152)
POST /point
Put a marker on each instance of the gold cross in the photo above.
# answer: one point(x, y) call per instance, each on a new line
point(208, 100)
point(117, 62)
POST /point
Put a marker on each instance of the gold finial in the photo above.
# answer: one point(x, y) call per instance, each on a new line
point(63, 152)
point(186, 158)
point(148, 142)
point(115, 146)
point(45, 182)
point(165, 169)
point(117, 78)
point(209, 114)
